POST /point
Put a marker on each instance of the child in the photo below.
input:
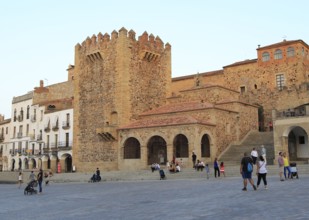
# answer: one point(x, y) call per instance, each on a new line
point(222, 168)
point(207, 171)
point(20, 179)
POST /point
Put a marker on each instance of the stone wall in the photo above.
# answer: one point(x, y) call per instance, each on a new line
point(116, 78)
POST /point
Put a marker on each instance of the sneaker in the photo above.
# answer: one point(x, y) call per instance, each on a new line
point(254, 187)
point(282, 180)
point(244, 189)
point(266, 187)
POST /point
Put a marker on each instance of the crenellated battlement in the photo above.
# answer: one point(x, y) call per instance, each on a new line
point(145, 42)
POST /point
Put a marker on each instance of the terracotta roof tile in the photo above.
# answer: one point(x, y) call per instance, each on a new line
point(170, 121)
point(241, 63)
point(179, 107)
point(283, 43)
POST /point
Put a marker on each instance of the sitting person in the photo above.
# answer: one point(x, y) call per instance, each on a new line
point(200, 166)
point(172, 168)
point(157, 166)
point(177, 168)
point(153, 167)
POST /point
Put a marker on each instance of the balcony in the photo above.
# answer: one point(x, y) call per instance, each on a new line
point(65, 124)
point(19, 135)
point(55, 126)
point(39, 137)
point(1, 138)
point(33, 118)
point(61, 145)
point(292, 112)
point(20, 118)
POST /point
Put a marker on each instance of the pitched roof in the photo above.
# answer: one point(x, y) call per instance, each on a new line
point(179, 107)
point(241, 63)
point(283, 43)
point(210, 73)
point(170, 121)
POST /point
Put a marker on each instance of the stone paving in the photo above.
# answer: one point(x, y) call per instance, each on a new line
point(159, 199)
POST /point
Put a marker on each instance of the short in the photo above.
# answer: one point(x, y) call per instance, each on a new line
point(281, 169)
point(247, 175)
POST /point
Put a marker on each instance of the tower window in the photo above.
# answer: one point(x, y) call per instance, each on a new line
point(278, 54)
point(265, 56)
point(280, 81)
point(242, 89)
point(290, 52)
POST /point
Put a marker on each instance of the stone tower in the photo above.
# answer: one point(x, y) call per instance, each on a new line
point(115, 79)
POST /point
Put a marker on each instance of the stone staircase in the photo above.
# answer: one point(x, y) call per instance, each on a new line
point(234, 153)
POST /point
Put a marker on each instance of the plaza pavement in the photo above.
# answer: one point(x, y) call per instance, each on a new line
point(201, 198)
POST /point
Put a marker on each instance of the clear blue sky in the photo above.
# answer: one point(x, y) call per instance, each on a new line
point(38, 37)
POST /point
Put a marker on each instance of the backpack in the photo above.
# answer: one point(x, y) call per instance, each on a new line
point(249, 167)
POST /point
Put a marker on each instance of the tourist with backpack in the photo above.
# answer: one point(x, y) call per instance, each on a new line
point(246, 169)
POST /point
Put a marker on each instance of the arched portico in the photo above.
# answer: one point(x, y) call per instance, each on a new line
point(297, 142)
point(205, 146)
point(66, 163)
point(181, 146)
point(157, 150)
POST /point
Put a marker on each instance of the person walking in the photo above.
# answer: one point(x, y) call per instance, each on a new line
point(40, 180)
point(261, 171)
point(193, 159)
point(20, 179)
point(32, 176)
point(281, 166)
point(222, 172)
point(286, 166)
point(246, 168)
point(254, 155)
point(207, 171)
point(216, 168)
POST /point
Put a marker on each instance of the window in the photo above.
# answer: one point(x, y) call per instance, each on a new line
point(303, 51)
point(290, 52)
point(47, 141)
point(67, 138)
point(27, 130)
point(14, 114)
point(41, 119)
point(265, 56)
point(280, 81)
point(28, 112)
point(56, 140)
point(242, 89)
point(278, 54)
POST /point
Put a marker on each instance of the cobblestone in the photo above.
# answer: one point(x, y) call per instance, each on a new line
point(159, 199)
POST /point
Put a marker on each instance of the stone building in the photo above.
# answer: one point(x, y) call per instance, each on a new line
point(128, 112)
point(127, 117)
point(4, 140)
point(277, 82)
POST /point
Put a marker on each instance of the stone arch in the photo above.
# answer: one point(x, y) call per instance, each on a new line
point(205, 146)
point(46, 165)
point(298, 146)
point(32, 163)
point(181, 146)
point(66, 163)
point(19, 164)
point(26, 163)
point(157, 150)
point(40, 163)
point(132, 149)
